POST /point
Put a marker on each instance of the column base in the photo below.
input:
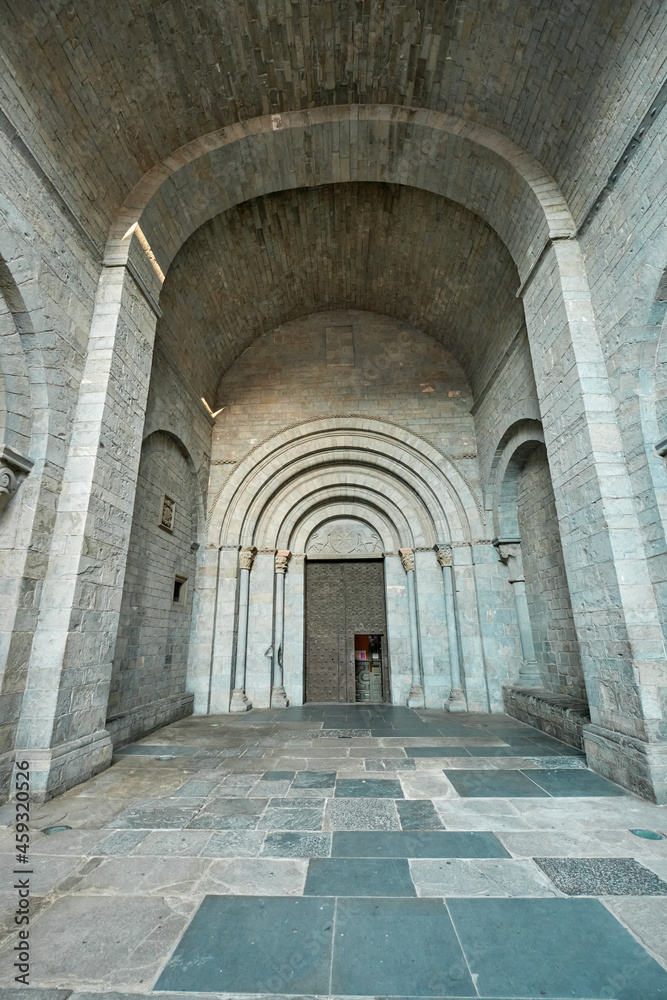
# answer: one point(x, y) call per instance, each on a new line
point(239, 702)
point(529, 675)
point(55, 769)
point(629, 761)
point(456, 701)
point(416, 697)
point(278, 697)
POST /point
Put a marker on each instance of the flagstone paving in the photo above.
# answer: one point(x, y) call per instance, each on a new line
point(344, 851)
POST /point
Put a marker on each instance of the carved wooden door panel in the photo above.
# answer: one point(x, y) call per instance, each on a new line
point(325, 632)
point(342, 599)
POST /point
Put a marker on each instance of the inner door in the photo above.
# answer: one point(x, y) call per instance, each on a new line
point(343, 598)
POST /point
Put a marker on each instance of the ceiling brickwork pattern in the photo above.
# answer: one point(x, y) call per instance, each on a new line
point(378, 247)
point(103, 92)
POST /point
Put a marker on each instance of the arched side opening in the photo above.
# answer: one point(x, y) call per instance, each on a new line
point(550, 688)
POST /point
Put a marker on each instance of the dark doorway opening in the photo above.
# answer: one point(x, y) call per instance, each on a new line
point(345, 602)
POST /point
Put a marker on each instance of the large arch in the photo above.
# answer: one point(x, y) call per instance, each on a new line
point(465, 163)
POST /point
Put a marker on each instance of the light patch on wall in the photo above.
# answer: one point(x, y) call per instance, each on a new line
point(210, 411)
point(339, 342)
point(425, 387)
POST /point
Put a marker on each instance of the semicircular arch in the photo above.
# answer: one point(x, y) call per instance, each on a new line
point(468, 163)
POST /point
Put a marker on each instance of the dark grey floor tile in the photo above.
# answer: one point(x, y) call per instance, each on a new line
point(494, 784)
point(553, 948)
point(437, 751)
point(423, 844)
point(602, 877)
point(389, 764)
point(501, 751)
point(368, 788)
point(397, 946)
point(278, 775)
point(574, 783)
point(418, 814)
point(359, 877)
point(254, 944)
point(314, 779)
point(144, 750)
point(297, 845)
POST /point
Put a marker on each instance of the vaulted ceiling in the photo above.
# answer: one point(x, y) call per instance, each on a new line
point(102, 92)
point(384, 248)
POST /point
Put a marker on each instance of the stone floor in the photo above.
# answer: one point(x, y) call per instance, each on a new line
point(345, 851)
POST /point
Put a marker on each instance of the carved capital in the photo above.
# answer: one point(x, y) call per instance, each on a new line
point(282, 558)
point(509, 553)
point(408, 559)
point(443, 554)
point(246, 557)
point(13, 468)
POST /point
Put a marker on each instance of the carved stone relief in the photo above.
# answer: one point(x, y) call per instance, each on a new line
point(344, 538)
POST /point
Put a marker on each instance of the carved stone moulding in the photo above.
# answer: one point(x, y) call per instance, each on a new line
point(14, 467)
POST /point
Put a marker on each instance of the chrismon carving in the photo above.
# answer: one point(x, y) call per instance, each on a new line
point(344, 537)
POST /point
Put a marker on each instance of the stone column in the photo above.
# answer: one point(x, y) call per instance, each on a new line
point(456, 701)
point(416, 695)
point(61, 731)
point(239, 702)
point(278, 697)
point(509, 553)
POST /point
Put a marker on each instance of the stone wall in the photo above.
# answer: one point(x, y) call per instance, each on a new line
point(151, 653)
point(554, 636)
point(345, 362)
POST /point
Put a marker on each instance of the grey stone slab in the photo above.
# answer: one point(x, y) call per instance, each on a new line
point(278, 775)
point(183, 843)
point(389, 764)
point(418, 814)
point(364, 788)
point(75, 941)
point(121, 842)
point(361, 814)
point(255, 877)
point(558, 763)
point(144, 876)
point(404, 947)
point(230, 806)
point(479, 877)
point(196, 789)
point(234, 844)
point(437, 751)
point(156, 750)
point(260, 945)
point(298, 818)
point(67, 842)
point(602, 877)
point(359, 877)
point(211, 821)
point(297, 845)
point(575, 946)
point(314, 779)
point(149, 817)
point(47, 873)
